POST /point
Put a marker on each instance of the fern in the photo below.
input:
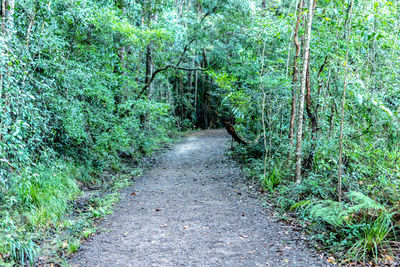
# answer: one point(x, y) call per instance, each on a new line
point(337, 214)
point(329, 212)
point(364, 204)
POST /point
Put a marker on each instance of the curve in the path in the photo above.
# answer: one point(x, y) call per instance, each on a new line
point(192, 209)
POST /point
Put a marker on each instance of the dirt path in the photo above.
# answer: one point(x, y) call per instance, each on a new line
point(193, 209)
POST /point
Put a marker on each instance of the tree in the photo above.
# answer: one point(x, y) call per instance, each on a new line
point(295, 72)
point(306, 58)
point(348, 36)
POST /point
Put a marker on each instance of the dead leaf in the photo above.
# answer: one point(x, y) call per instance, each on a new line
point(185, 227)
point(243, 236)
point(389, 258)
point(331, 259)
point(133, 194)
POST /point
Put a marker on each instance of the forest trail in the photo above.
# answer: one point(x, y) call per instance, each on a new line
point(193, 208)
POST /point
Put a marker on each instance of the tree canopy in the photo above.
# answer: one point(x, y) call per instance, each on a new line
point(311, 87)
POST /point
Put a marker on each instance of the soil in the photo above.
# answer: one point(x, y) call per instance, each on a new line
point(195, 208)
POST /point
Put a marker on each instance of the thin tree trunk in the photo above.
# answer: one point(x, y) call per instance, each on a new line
point(191, 88)
point(196, 85)
point(343, 105)
point(148, 68)
point(312, 114)
point(264, 4)
point(188, 6)
point(306, 58)
point(295, 74)
point(191, 76)
point(261, 86)
point(181, 96)
point(122, 53)
point(8, 8)
point(7, 27)
point(122, 60)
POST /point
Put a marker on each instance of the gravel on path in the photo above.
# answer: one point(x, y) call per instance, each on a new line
point(193, 208)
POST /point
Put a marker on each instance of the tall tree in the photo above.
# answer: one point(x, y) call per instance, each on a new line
point(7, 27)
point(344, 101)
point(306, 58)
point(295, 72)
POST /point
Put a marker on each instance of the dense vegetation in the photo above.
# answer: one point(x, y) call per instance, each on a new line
point(311, 88)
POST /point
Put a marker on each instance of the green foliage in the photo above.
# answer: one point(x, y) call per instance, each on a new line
point(69, 110)
point(373, 238)
point(258, 64)
point(271, 180)
point(71, 76)
point(18, 248)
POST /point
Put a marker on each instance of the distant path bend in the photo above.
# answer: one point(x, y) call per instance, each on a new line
point(192, 208)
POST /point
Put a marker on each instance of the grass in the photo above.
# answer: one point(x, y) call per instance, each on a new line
point(271, 180)
point(39, 217)
point(373, 239)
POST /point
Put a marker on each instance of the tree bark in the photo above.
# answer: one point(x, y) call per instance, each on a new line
point(306, 58)
point(196, 87)
point(7, 27)
point(264, 4)
point(206, 93)
point(295, 73)
point(7, 14)
point(311, 112)
point(343, 105)
point(148, 68)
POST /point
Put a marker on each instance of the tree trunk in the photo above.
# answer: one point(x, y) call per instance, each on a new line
point(7, 15)
point(7, 27)
point(264, 4)
point(343, 105)
point(122, 62)
point(306, 57)
point(295, 73)
point(181, 96)
point(311, 112)
point(196, 85)
point(148, 68)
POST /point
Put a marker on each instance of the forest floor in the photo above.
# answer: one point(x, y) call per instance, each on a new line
point(195, 208)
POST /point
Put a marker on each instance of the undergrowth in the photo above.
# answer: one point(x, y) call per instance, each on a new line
point(363, 227)
point(54, 206)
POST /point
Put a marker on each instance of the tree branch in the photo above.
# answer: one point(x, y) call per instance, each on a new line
point(153, 76)
point(8, 163)
point(176, 66)
point(208, 13)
